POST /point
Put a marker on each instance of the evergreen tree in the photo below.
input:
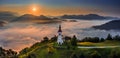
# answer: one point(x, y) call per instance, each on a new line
point(117, 37)
point(45, 39)
point(23, 51)
point(109, 37)
point(102, 40)
point(74, 41)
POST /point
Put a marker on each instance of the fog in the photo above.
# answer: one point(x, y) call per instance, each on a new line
point(17, 36)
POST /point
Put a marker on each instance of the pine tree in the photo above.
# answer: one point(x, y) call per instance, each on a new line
point(109, 37)
point(74, 41)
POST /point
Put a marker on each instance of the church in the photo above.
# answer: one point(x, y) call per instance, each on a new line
point(60, 38)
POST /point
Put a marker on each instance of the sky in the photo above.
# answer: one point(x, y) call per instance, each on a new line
point(60, 7)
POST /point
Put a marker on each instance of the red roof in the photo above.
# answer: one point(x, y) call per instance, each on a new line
point(59, 29)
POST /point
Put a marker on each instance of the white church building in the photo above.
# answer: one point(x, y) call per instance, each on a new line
point(60, 38)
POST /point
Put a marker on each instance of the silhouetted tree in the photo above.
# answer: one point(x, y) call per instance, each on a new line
point(23, 51)
point(45, 39)
point(89, 39)
point(117, 37)
point(102, 40)
point(7, 53)
point(74, 41)
point(95, 39)
point(109, 37)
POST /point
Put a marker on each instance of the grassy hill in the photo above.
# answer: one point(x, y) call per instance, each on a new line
point(52, 50)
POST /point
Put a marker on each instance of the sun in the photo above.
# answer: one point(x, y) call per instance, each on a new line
point(34, 9)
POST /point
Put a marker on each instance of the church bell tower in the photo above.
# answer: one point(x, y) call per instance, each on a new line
point(60, 38)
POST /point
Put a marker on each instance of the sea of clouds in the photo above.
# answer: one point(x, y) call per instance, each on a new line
point(17, 36)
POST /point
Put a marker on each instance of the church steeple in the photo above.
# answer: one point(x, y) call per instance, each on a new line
point(59, 29)
point(59, 39)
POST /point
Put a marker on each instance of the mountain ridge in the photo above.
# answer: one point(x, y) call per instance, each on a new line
point(112, 25)
point(87, 17)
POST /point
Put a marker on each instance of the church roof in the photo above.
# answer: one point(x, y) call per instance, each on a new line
point(59, 29)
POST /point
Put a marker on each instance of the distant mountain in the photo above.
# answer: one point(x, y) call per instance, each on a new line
point(2, 23)
point(112, 25)
point(26, 17)
point(86, 17)
point(35, 19)
point(44, 17)
point(7, 16)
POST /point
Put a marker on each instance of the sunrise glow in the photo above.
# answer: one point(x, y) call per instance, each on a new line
point(34, 9)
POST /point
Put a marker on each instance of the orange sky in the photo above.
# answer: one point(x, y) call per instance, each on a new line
point(44, 10)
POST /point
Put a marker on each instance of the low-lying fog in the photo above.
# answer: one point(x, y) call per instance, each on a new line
point(17, 36)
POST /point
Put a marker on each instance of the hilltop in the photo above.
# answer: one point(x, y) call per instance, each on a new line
point(50, 49)
point(89, 47)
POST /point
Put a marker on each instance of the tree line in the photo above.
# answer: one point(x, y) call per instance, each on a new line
point(7, 53)
point(97, 39)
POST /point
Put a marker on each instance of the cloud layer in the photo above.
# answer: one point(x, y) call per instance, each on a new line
point(20, 35)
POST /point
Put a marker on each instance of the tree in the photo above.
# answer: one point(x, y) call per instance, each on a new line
point(23, 51)
point(102, 40)
point(74, 41)
point(54, 38)
point(7, 53)
point(117, 37)
point(45, 39)
point(109, 37)
point(95, 39)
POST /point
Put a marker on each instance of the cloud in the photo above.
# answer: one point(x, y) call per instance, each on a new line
point(17, 36)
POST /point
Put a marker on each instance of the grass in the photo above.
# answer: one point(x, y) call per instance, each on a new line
point(42, 50)
point(106, 43)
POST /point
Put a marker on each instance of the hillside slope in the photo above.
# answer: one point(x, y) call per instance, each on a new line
point(112, 25)
point(52, 50)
